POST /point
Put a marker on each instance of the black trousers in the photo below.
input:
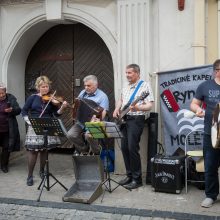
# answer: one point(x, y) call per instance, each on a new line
point(4, 142)
point(130, 147)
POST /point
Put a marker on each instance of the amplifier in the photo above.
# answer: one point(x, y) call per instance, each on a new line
point(167, 173)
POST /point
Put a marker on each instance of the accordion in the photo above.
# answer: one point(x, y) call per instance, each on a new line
point(85, 109)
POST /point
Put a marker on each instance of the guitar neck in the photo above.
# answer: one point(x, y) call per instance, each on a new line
point(127, 109)
point(123, 113)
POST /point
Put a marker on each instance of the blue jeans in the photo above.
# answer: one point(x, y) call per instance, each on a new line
point(212, 162)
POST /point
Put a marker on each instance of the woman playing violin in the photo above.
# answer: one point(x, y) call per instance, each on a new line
point(36, 106)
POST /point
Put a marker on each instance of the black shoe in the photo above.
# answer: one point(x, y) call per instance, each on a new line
point(30, 181)
point(125, 181)
point(133, 185)
point(4, 169)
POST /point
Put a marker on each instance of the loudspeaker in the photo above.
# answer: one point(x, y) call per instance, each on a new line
point(152, 122)
point(167, 173)
point(89, 175)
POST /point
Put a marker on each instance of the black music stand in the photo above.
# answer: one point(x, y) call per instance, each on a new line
point(104, 130)
point(48, 127)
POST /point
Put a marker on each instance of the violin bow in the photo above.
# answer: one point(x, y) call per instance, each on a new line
point(47, 104)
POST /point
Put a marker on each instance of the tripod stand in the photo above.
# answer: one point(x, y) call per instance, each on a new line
point(46, 127)
point(103, 131)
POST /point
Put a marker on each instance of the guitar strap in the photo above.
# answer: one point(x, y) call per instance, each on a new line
point(134, 93)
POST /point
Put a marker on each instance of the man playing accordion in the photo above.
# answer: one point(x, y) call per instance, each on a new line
point(92, 105)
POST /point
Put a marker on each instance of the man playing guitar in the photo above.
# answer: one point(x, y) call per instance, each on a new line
point(134, 123)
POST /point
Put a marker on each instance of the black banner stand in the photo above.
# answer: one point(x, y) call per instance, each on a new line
point(104, 130)
point(48, 127)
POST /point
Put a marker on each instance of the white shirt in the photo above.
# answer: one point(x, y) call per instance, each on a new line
point(128, 91)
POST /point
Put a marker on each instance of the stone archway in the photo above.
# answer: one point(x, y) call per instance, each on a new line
point(20, 44)
point(66, 54)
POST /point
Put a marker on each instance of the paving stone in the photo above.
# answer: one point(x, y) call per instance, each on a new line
point(142, 203)
point(126, 217)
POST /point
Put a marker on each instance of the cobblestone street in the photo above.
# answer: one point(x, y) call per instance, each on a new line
point(18, 201)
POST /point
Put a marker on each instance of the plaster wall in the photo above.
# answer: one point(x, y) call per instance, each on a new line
point(174, 35)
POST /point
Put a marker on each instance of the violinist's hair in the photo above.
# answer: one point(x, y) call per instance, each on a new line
point(91, 77)
point(40, 80)
point(2, 86)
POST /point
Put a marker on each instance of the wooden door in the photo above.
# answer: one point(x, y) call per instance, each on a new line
point(67, 53)
point(91, 56)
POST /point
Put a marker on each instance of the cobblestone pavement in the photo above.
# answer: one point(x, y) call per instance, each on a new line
point(29, 210)
point(18, 201)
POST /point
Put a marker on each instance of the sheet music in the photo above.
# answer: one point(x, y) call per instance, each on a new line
point(104, 129)
point(53, 126)
point(112, 130)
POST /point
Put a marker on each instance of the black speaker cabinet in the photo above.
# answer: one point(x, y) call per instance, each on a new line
point(152, 122)
point(89, 175)
point(167, 173)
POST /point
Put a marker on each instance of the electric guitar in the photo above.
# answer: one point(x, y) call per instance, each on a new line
point(126, 109)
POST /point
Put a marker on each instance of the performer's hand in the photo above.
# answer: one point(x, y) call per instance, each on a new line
point(116, 113)
point(8, 110)
point(95, 119)
point(88, 134)
point(134, 108)
point(64, 104)
point(26, 119)
point(200, 112)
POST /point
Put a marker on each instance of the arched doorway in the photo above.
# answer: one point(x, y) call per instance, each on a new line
point(66, 54)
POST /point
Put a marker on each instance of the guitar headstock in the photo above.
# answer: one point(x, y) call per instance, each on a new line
point(143, 95)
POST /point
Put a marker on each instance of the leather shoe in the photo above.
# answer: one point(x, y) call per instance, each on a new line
point(133, 185)
point(125, 181)
point(4, 169)
point(30, 181)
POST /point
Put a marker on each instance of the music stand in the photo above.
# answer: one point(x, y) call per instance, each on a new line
point(103, 130)
point(48, 127)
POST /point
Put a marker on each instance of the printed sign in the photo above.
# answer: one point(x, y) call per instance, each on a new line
point(177, 89)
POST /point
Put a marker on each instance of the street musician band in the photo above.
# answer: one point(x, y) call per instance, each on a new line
point(92, 104)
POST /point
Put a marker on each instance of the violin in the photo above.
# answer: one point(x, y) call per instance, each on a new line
point(56, 100)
